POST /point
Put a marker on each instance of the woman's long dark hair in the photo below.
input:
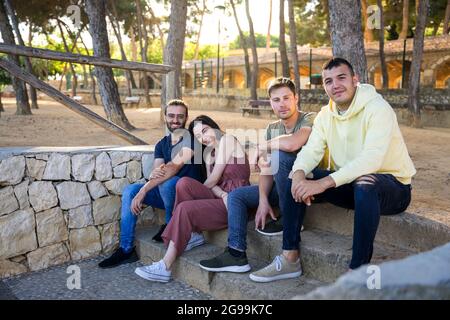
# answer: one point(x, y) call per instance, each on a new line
point(204, 119)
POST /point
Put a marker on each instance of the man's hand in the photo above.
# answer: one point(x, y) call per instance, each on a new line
point(136, 204)
point(263, 210)
point(158, 172)
point(304, 190)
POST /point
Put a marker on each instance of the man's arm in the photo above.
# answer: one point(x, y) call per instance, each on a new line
point(288, 142)
point(170, 169)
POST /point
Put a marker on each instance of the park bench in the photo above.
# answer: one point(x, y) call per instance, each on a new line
point(132, 102)
point(255, 106)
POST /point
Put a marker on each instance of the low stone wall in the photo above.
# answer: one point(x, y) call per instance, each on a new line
point(63, 204)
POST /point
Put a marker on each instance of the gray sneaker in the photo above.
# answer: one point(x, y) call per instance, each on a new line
point(279, 269)
point(226, 262)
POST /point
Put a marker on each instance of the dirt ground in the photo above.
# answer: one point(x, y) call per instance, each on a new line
point(55, 125)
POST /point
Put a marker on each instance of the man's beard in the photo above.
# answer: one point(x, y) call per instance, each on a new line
point(182, 125)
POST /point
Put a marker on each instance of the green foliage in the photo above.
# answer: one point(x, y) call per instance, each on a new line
point(260, 41)
point(155, 52)
point(311, 22)
point(204, 52)
point(5, 79)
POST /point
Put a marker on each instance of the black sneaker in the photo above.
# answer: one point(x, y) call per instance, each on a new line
point(272, 228)
point(119, 257)
point(226, 262)
point(157, 236)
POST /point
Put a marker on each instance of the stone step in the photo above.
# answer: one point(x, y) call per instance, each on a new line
point(223, 285)
point(407, 230)
point(325, 255)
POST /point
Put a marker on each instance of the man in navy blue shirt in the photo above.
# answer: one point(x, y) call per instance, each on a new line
point(174, 158)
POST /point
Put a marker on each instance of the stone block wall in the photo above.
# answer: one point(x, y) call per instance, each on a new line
point(64, 205)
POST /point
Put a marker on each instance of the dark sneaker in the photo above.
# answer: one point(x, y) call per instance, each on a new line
point(119, 257)
point(157, 237)
point(226, 262)
point(272, 228)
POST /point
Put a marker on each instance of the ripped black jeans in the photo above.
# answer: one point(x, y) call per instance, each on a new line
point(370, 196)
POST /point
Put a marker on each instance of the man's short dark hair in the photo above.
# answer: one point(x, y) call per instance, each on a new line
point(336, 62)
point(281, 82)
point(177, 102)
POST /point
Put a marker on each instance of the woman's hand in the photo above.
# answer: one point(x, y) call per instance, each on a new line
point(225, 199)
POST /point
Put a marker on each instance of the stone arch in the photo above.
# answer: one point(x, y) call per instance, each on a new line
point(188, 83)
point(304, 75)
point(234, 79)
point(265, 76)
point(394, 66)
point(441, 72)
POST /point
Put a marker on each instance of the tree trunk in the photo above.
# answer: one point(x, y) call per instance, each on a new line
point(96, 11)
point(23, 106)
point(143, 35)
point(122, 52)
point(255, 67)
point(347, 38)
point(294, 53)
point(91, 75)
point(1, 104)
point(72, 68)
point(414, 75)
point(268, 27)
point(197, 43)
point(368, 34)
point(173, 53)
point(447, 18)
point(405, 21)
point(243, 45)
point(133, 53)
point(28, 65)
point(116, 29)
point(283, 50)
point(384, 71)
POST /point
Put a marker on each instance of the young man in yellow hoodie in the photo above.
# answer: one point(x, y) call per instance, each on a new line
point(371, 169)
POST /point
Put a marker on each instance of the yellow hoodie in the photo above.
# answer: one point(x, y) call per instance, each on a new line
point(364, 140)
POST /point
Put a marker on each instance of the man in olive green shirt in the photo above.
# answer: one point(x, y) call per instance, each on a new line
point(284, 138)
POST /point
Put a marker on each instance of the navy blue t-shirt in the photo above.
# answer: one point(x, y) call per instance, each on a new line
point(165, 150)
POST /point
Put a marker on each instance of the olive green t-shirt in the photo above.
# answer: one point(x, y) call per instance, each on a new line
point(277, 128)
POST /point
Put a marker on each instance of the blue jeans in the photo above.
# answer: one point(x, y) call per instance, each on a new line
point(242, 199)
point(162, 197)
point(370, 196)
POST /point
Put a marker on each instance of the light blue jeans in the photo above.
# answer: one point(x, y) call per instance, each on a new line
point(162, 197)
point(242, 199)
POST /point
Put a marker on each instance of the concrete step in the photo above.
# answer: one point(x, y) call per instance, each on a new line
point(325, 255)
point(406, 230)
point(223, 285)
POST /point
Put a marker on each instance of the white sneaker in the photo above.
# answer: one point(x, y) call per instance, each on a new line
point(155, 272)
point(196, 240)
